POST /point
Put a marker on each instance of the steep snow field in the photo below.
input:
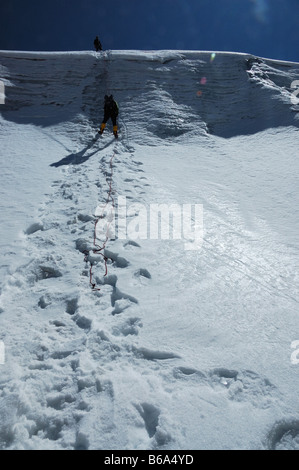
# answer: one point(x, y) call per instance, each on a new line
point(185, 343)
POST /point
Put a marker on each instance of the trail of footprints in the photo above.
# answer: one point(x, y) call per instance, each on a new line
point(82, 331)
point(75, 332)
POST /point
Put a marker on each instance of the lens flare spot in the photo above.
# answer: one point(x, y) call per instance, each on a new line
point(203, 81)
point(261, 9)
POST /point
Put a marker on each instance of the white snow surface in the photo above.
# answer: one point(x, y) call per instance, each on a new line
point(177, 349)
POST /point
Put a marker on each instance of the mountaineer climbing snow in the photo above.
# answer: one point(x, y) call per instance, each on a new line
point(110, 112)
point(97, 44)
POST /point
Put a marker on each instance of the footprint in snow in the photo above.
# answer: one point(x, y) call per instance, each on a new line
point(82, 321)
point(142, 273)
point(44, 301)
point(150, 415)
point(35, 227)
point(153, 355)
point(117, 260)
point(129, 327)
point(241, 386)
point(72, 305)
point(284, 435)
point(40, 272)
point(131, 243)
point(121, 301)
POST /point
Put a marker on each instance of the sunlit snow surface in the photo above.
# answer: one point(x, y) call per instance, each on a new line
point(178, 349)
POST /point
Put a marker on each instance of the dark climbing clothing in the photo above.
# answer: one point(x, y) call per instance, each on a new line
point(110, 112)
point(97, 44)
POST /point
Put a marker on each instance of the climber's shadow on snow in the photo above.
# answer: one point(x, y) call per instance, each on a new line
point(81, 157)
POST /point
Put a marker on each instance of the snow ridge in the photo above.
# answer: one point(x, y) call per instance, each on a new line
point(174, 349)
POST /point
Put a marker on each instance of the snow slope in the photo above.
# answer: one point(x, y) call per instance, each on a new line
point(175, 348)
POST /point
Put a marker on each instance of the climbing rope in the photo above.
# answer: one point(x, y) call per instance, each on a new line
point(100, 249)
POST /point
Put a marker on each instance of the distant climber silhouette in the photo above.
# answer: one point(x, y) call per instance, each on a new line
point(110, 112)
point(97, 44)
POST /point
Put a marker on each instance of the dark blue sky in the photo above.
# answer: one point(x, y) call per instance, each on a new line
point(268, 28)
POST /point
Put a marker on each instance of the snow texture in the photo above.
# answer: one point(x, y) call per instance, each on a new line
point(174, 348)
